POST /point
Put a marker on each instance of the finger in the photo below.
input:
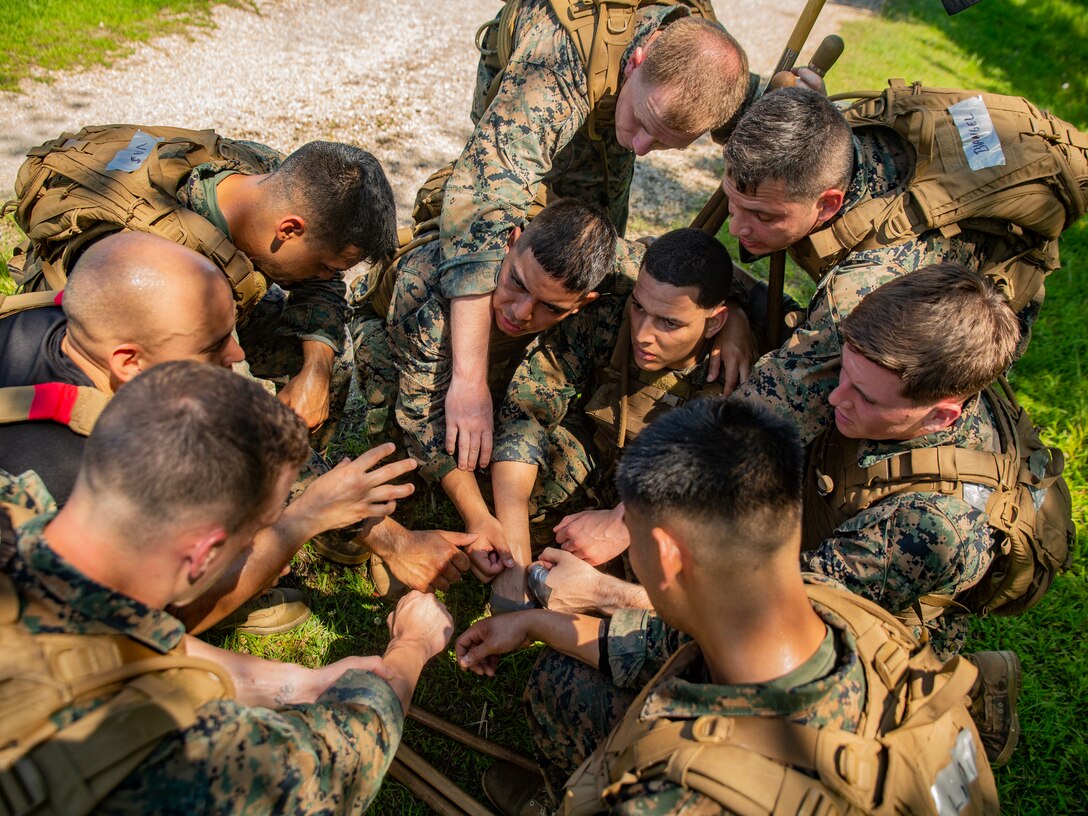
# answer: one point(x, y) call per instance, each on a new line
point(439, 583)
point(569, 546)
point(388, 472)
point(486, 441)
point(713, 365)
point(371, 458)
point(553, 555)
point(464, 449)
point(460, 561)
point(451, 575)
point(451, 438)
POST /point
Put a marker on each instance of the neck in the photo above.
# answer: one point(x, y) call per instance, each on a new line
point(79, 535)
point(760, 634)
point(98, 374)
point(238, 200)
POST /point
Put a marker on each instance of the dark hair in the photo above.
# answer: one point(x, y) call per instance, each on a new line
point(346, 197)
point(690, 257)
point(944, 330)
point(792, 134)
point(727, 465)
point(574, 242)
point(187, 438)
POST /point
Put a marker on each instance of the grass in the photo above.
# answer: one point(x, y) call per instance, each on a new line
point(52, 35)
point(1037, 50)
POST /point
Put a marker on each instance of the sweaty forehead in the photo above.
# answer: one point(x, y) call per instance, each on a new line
point(664, 299)
point(538, 283)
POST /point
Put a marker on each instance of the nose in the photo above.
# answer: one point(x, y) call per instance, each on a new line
point(642, 143)
point(838, 396)
point(739, 226)
point(523, 309)
point(233, 353)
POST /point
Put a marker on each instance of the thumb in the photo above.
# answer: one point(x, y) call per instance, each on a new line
point(460, 539)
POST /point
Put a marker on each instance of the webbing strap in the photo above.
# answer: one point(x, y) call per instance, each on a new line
point(76, 406)
point(12, 304)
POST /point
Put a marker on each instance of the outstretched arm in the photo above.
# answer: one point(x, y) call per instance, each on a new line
point(479, 648)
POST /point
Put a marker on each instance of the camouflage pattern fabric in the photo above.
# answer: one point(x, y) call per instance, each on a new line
point(912, 544)
point(572, 707)
point(420, 353)
point(533, 132)
point(325, 757)
point(22, 498)
point(796, 379)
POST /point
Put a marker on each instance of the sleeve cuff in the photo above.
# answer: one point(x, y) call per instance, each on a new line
point(468, 275)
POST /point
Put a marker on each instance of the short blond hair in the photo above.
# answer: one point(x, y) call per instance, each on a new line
point(704, 70)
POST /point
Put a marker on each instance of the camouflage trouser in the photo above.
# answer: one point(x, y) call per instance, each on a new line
point(274, 357)
point(373, 419)
point(571, 708)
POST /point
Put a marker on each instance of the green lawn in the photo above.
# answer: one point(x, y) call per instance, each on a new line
point(1038, 50)
point(49, 35)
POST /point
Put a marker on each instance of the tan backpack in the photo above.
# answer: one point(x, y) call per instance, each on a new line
point(79, 187)
point(45, 769)
point(915, 751)
point(1029, 507)
point(979, 161)
point(601, 30)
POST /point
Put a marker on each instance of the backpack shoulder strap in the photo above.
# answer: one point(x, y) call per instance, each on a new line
point(77, 406)
point(13, 304)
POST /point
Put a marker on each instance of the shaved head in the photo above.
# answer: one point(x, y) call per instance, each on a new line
point(140, 290)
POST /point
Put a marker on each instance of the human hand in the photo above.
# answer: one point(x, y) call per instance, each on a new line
point(478, 649)
point(422, 619)
point(307, 393)
point(577, 587)
point(807, 78)
point(733, 353)
point(427, 560)
point(469, 422)
point(355, 490)
point(489, 554)
point(595, 536)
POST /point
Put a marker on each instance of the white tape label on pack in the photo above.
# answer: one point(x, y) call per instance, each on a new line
point(132, 157)
point(980, 144)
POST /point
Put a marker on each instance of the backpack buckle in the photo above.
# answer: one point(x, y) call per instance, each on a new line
point(22, 788)
point(712, 728)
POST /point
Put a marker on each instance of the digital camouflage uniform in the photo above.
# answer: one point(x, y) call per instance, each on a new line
point(325, 757)
point(543, 419)
point(912, 544)
point(532, 132)
point(573, 707)
point(415, 357)
point(22, 497)
point(272, 331)
point(796, 379)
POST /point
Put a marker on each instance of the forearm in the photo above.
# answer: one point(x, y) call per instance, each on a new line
point(317, 359)
point(464, 492)
point(616, 594)
point(576, 636)
point(512, 484)
point(470, 326)
point(404, 659)
point(257, 682)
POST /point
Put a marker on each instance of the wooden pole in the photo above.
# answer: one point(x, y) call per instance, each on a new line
point(421, 790)
point(477, 743)
point(439, 782)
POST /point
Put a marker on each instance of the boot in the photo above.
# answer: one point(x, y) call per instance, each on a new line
point(385, 582)
point(514, 791)
point(993, 703)
point(341, 547)
point(275, 610)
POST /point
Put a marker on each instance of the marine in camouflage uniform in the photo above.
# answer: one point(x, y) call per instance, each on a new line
point(796, 379)
point(272, 331)
point(913, 544)
point(412, 359)
point(573, 707)
point(534, 132)
point(328, 756)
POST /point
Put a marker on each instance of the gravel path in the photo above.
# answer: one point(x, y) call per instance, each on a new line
point(393, 77)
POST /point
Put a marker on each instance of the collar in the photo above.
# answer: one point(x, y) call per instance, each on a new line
point(71, 602)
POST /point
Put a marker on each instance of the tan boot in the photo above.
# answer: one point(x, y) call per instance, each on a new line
point(993, 703)
point(275, 610)
point(341, 547)
point(385, 582)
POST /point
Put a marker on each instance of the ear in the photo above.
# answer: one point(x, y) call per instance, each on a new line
point(125, 362)
point(204, 551)
point(638, 57)
point(668, 554)
point(290, 226)
point(715, 320)
point(587, 298)
point(941, 415)
point(515, 233)
point(829, 203)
